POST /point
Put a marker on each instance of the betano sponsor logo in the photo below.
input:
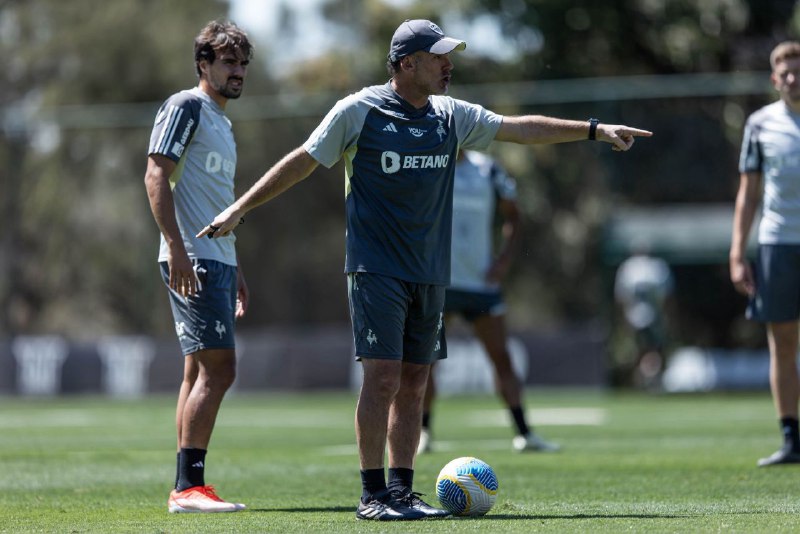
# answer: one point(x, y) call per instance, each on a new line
point(391, 162)
point(179, 146)
point(186, 131)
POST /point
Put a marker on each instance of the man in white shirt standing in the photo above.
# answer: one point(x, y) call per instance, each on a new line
point(769, 168)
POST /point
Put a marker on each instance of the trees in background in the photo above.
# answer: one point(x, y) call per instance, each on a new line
point(77, 252)
point(78, 246)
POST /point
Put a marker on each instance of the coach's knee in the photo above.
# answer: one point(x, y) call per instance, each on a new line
point(415, 380)
point(381, 378)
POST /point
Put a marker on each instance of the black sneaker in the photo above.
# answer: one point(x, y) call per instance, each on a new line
point(413, 501)
point(783, 456)
point(388, 510)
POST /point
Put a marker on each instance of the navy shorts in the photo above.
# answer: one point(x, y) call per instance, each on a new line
point(777, 274)
point(207, 319)
point(473, 304)
point(396, 320)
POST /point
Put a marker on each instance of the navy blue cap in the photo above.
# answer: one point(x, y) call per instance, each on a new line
point(414, 35)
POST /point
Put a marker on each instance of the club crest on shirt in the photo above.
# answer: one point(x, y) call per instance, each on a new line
point(440, 131)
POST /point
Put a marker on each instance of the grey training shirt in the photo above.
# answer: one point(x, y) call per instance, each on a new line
point(771, 146)
point(193, 131)
point(479, 183)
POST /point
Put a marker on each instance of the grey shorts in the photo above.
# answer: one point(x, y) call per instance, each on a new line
point(396, 320)
point(473, 304)
point(207, 319)
point(777, 274)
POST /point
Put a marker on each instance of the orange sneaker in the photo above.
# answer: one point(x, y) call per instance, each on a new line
point(199, 499)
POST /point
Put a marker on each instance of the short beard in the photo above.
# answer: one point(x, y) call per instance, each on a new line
point(225, 91)
point(229, 93)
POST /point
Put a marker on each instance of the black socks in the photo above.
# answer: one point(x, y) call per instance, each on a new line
point(400, 480)
point(791, 436)
point(373, 484)
point(518, 414)
point(191, 468)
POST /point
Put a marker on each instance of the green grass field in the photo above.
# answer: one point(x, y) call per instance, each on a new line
point(630, 462)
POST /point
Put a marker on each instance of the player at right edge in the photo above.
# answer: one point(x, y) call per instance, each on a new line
point(769, 170)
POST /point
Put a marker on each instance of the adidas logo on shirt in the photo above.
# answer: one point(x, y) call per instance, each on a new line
point(390, 128)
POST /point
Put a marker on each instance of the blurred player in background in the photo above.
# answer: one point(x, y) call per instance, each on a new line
point(642, 287)
point(482, 189)
point(399, 141)
point(769, 168)
point(190, 176)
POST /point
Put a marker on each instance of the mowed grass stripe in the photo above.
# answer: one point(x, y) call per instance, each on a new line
point(644, 464)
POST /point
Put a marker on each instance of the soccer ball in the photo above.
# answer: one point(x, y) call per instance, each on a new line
point(467, 486)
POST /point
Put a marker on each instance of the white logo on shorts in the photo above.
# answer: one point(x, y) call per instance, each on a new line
point(220, 328)
point(372, 338)
point(180, 328)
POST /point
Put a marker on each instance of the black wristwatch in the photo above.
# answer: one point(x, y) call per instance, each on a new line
point(593, 129)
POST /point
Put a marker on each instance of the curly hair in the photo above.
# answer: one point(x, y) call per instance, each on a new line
point(217, 37)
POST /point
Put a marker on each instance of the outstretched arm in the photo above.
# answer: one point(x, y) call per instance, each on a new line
point(538, 129)
point(293, 168)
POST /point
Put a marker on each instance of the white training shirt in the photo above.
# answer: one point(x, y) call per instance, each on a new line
point(479, 183)
point(772, 146)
